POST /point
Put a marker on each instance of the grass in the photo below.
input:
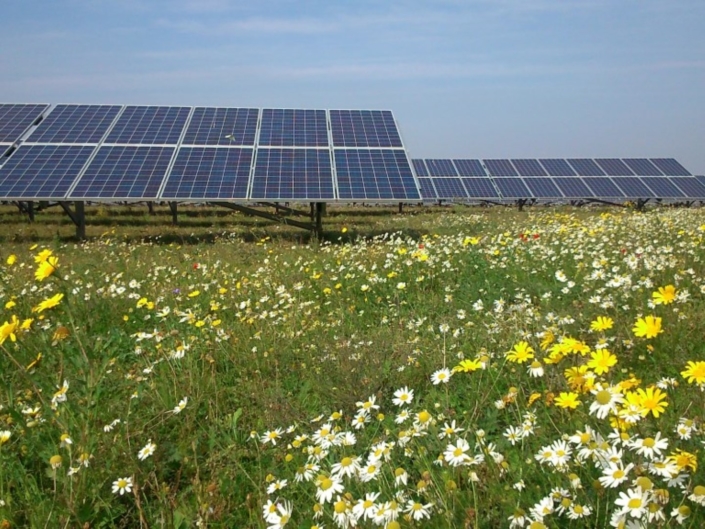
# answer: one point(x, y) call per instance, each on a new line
point(243, 360)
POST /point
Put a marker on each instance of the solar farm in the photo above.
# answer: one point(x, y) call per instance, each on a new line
point(70, 154)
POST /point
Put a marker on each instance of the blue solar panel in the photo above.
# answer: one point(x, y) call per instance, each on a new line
point(480, 188)
point(512, 187)
point(662, 187)
point(542, 187)
point(690, 186)
point(375, 174)
point(428, 192)
point(572, 187)
point(441, 167)
point(222, 126)
point(670, 167)
point(449, 188)
point(642, 167)
point(529, 167)
point(16, 119)
point(42, 171)
point(633, 187)
point(149, 125)
point(701, 179)
point(288, 174)
point(500, 168)
point(603, 187)
point(124, 172)
point(364, 128)
point(293, 128)
point(586, 167)
point(469, 167)
point(557, 167)
point(614, 167)
point(75, 124)
point(420, 167)
point(209, 172)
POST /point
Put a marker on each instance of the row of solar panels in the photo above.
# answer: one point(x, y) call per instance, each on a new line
point(104, 152)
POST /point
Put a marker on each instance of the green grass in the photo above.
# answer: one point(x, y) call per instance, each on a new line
point(260, 328)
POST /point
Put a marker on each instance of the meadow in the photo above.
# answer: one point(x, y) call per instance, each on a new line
point(457, 367)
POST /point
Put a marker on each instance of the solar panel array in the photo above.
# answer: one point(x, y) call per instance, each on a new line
point(556, 179)
point(114, 152)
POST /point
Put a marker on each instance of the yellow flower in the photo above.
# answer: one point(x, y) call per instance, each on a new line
point(48, 303)
point(521, 353)
point(471, 240)
point(467, 366)
point(42, 256)
point(648, 327)
point(684, 460)
point(580, 378)
point(9, 330)
point(694, 372)
point(46, 268)
point(601, 361)
point(601, 323)
point(11, 259)
point(548, 339)
point(653, 401)
point(665, 295)
point(567, 400)
point(194, 293)
point(10, 304)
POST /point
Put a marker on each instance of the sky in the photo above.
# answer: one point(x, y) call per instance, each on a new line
point(464, 78)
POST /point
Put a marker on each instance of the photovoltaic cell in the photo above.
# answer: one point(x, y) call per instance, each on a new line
point(557, 167)
point(603, 187)
point(542, 187)
point(42, 171)
point(420, 167)
point(75, 124)
point(642, 167)
point(16, 119)
point(670, 167)
point(469, 167)
point(512, 187)
point(586, 167)
point(293, 128)
point(662, 187)
point(284, 174)
point(149, 125)
point(124, 172)
point(529, 167)
point(633, 187)
point(208, 172)
point(614, 167)
point(449, 188)
point(222, 126)
point(375, 174)
point(441, 167)
point(428, 192)
point(690, 186)
point(572, 187)
point(700, 179)
point(500, 168)
point(480, 188)
point(364, 128)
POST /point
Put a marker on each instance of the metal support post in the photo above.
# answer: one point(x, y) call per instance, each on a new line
point(320, 206)
point(30, 210)
point(80, 220)
point(173, 208)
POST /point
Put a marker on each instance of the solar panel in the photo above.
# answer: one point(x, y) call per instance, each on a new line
point(449, 188)
point(500, 168)
point(16, 119)
point(572, 187)
point(209, 172)
point(633, 187)
point(690, 186)
point(75, 124)
point(301, 174)
point(149, 125)
point(557, 167)
point(375, 174)
point(670, 167)
point(603, 187)
point(441, 167)
point(585, 167)
point(420, 167)
point(480, 188)
point(42, 171)
point(222, 126)
point(700, 179)
point(124, 172)
point(364, 128)
point(542, 187)
point(662, 187)
point(428, 192)
point(642, 167)
point(529, 167)
point(614, 167)
point(512, 187)
point(293, 128)
point(469, 168)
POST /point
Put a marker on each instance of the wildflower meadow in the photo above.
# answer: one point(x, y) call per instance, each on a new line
point(449, 368)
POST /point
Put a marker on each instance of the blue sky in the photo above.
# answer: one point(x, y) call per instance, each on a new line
point(465, 79)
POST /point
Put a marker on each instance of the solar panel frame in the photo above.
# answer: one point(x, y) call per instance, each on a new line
point(441, 167)
point(670, 167)
point(75, 124)
point(542, 187)
point(420, 167)
point(382, 175)
point(573, 187)
point(662, 187)
point(449, 188)
point(42, 172)
point(585, 167)
point(557, 167)
point(16, 119)
point(227, 126)
point(642, 167)
point(277, 174)
point(614, 167)
point(500, 167)
point(528, 167)
point(691, 187)
point(633, 187)
point(428, 191)
point(512, 187)
point(286, 127)
point(468, 167)
point(364, 128)
point(480, 188)
point(149, 125)
point(603, 187)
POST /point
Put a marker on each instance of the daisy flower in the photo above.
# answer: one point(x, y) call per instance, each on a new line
point(122, 485)
point(442, 375)
point(403, 396)
point(146, 451)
